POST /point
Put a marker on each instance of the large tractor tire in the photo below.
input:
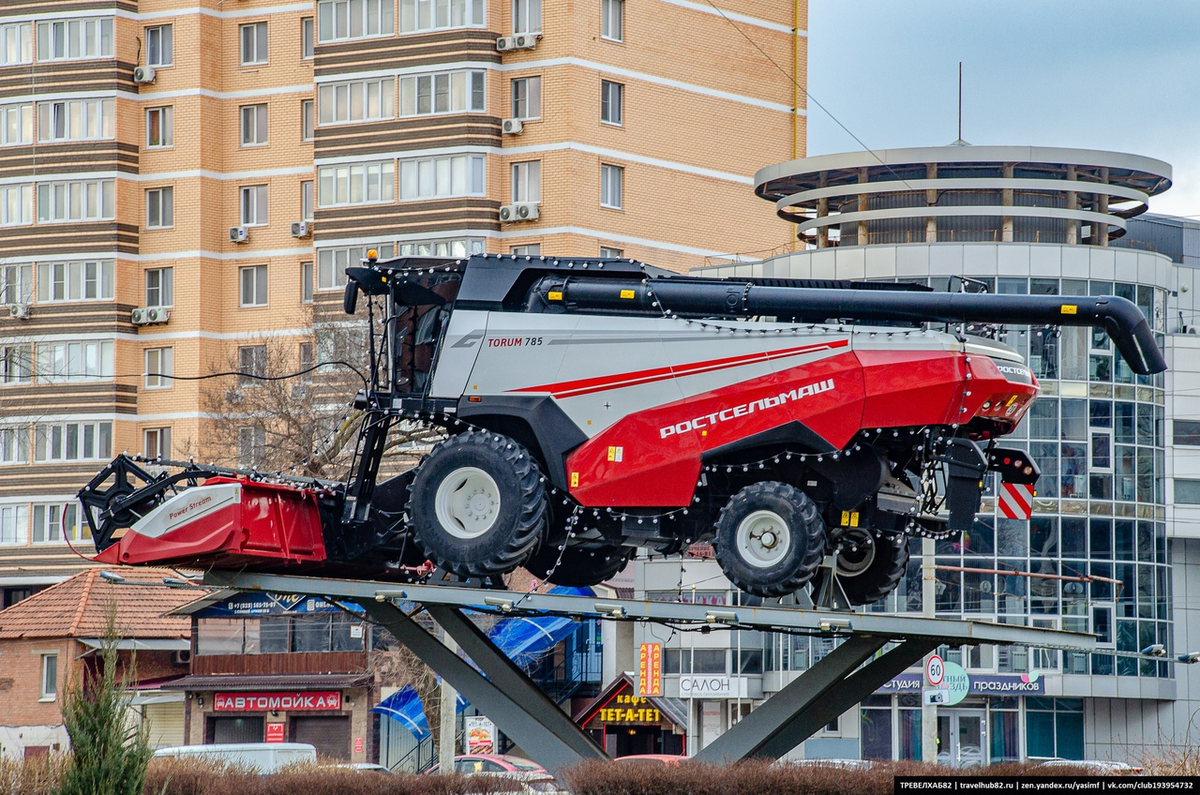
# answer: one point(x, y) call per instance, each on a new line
point(868, 569)
point(770, 539)
point(579, 566)
point(478, 504)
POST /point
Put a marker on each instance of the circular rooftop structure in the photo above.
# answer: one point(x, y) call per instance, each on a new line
point(963, 193)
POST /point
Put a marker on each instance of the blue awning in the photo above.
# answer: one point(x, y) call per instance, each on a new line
point(524, 639)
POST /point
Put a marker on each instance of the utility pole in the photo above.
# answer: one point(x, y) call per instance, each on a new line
point(449, 721)
point(929, 749)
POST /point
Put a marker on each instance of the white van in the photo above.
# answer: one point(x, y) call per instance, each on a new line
point(263, 757)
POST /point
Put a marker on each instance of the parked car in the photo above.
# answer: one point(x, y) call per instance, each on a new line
point(526, 782)
point(1097, 767)
point(840, 764)
point(362, 767)
point(670, 760)
point(264, 758)
point(495, 763)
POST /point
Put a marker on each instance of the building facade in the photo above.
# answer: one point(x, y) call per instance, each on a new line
point(1108, 550)
point(183, 184)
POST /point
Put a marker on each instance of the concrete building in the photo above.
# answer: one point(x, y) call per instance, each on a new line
point(182, 185)
point(1107, 521)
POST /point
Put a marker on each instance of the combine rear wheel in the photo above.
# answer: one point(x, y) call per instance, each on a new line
point(770, 539)
point(580, 566)
point(868, 568)
point(478, 504)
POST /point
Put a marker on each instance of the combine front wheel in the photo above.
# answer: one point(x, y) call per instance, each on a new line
point(478, 504)
point(770, 539)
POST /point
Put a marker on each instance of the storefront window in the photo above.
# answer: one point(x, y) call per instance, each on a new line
point(877, 733)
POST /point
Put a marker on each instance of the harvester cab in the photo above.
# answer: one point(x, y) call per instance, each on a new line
point(590, 408)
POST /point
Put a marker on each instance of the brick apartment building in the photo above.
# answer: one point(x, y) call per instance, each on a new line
point(182, 184)
point(48, 638)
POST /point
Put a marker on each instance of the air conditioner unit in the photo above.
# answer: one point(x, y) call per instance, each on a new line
point(520, 211)
point(143, 74)
point(18, 311)
point(182, 657)
point(512, 126)
point(505, 43)
point(146, 315)
point(238, 234)
point(525, 41)
point(301, 228)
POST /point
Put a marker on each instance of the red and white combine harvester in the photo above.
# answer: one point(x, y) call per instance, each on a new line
point(596, 407)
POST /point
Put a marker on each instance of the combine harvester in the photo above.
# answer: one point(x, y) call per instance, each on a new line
point(594, 407)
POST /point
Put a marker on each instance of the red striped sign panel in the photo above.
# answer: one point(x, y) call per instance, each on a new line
point(1016, 500)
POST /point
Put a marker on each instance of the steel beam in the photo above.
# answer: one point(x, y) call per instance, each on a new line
point(529, 723)
point(758, 733)
point(513, 682)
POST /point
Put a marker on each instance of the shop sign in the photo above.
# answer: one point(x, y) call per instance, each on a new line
point(979, 684)
point(260, 702)
point(274, 732)
point(956, 683)
point(719, 687)
point(480, 735)
point(629, 709)
point(358, 745)
point(272, 604)
point(650, 670)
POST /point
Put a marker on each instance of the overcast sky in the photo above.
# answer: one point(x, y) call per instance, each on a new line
point(1097, 74)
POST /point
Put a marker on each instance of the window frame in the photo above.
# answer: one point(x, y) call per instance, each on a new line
point(261, 205)
point(80, 26)
point(262, 42)
point(257, 445)
point(607, 19)
point(51, 529)
point(308, 120)
point(385, 13)
point(169, 41)
point(67, 281)
point(531, 96)
point(24, 43)
point(162, 440)
point(16, 364)
point(258, 285)
point(607, 172)
point(166, 284)
point(158, 373)
point(525, 174)
point(308, 38)
point(73, 116)
point(527, 16)
point(330, 179)
point(43, 440)
point(26, 125)
point(255, 131)
point(308, 199)
point(308, 275)
point(419, 172)
point(611, 90)
point(165, 196)
point(413, 92)
point(166, 127)
point(105, 192)
point(48, 689)
point(26, 212)
point(15, 447)
point(611, 252)
point(336, 101)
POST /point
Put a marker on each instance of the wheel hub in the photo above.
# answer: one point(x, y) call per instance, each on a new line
point(858, 552)
point(467, 503)
point(763, 539)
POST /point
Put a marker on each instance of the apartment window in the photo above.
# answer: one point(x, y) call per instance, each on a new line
point(156, 442)
point(531, 250)
point(70, 39)
point(160, 127)
point(527, 98)
point(160, 208)
point(357, 101)
point(16, 205)
point(438, 177)
point(421, 15)
point(14, 444)
point(252, 361)
point(16, 124)
point(611, 253)
point(83, 200)
point(527, 181)
point(442, 92)
point(51, 520)
point(66, 361)
point(75, 120)
point(16, 43)
point(160, 287)
point(254, 125)
point(527, 16)
point(452, 247)
point(1187, 492)
point(88, 280)
point(160, 45)
point(14, 525)
point(612, 19)
point(308, 120)
point(49, 677)
point(306, 356)
point(254, 285)
point(160, 366)
point(16, 284)
point(1186, 432)
point(254, 43)
point(611, 179)
point(361, 183)
point(308, 37)
point(332, 263)
point(339, 20)
point(306, 200)
point(612, 96)
point(252, 446)
point(306, 282)
point(16, 364)
point(72, 441)
point(254, 205)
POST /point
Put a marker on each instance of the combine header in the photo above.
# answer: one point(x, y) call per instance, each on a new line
point(594, 407)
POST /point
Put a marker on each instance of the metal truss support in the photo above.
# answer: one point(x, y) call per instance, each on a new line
point(509, 698)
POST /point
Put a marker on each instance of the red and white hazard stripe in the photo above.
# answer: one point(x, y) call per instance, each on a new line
point(1016, 500)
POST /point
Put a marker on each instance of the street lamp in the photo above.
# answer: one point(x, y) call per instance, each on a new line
point(1157, 650)
point(1190, 658)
